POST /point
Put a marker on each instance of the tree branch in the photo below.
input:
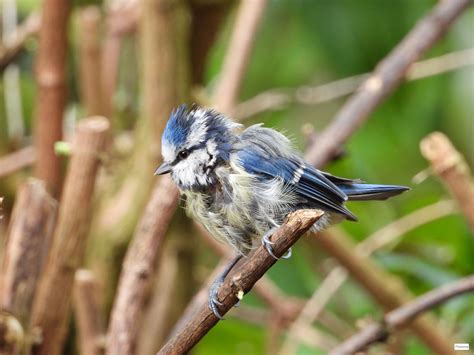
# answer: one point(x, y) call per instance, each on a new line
point(403, 315)
point(90, 66)
point(386, 77)
point(51, 308)
point(51, 97)
point(29, 239)
point(241, 280)
point(138, 268)
point(89, 323)
point(386, 289)
point(449, 165)
point(280, 98)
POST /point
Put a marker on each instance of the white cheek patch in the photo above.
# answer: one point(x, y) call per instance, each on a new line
point(189, 172)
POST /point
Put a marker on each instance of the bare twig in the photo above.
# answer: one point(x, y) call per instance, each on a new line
point(30, 235)
point(237, 57)
point(138, 268)
point(336, 278)
point(15, 43)
point(51, 309)
point(385, 288)
point(51, 82)
point(403, 316)
point(241, 281)
point(159, 315)
point(90, 326)
point(386, 77)
point(17, 160)
point(90, 60)
point(121, 17)
point(449, 165)
point(278, 99)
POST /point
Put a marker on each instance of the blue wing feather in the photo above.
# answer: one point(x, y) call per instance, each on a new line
point(310, 184)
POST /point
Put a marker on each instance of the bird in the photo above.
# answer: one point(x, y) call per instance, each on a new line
point(240, 183)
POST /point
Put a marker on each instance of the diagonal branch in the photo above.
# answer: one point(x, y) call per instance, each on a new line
point(386, 77)
point(241, 280)
point(280, 98)
point(138, 267)
point(403, 315)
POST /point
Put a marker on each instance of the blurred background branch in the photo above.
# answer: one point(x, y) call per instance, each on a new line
point(51, 82)
point(281, 98)
point(403, 315)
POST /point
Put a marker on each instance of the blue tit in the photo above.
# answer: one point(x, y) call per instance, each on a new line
point(241, 183)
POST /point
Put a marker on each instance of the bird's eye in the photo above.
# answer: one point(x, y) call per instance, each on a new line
point(183, 154)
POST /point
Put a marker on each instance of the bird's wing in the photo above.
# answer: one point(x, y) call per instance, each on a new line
point(309, 183)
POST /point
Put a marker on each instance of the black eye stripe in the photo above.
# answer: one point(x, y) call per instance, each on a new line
point(189, 150)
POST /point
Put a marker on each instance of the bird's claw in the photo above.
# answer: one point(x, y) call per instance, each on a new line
point(213, 300)
point(267, 243)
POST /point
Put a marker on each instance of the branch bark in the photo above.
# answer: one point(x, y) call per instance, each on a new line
point(241, 280)
point(449, 165)
point(138, 268)
point(17, 160)
point(402, 316)
point(51, 82)
point(90, 60)
point(51, 309)
point(386, 78)
point(90, 326)
point(29, 239)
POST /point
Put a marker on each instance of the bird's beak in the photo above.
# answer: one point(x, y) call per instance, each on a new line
point(164, 168)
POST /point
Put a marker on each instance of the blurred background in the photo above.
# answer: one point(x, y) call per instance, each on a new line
point(134, 65)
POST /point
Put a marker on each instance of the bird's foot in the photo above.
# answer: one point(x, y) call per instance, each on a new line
point(267, 243)
point(213, 300)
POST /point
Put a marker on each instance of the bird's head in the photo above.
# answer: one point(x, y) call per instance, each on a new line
point(195, 141)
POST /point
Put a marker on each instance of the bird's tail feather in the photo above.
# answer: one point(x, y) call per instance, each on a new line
point(367, 192)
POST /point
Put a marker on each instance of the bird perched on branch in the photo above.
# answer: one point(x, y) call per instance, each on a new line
point(242, 183)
